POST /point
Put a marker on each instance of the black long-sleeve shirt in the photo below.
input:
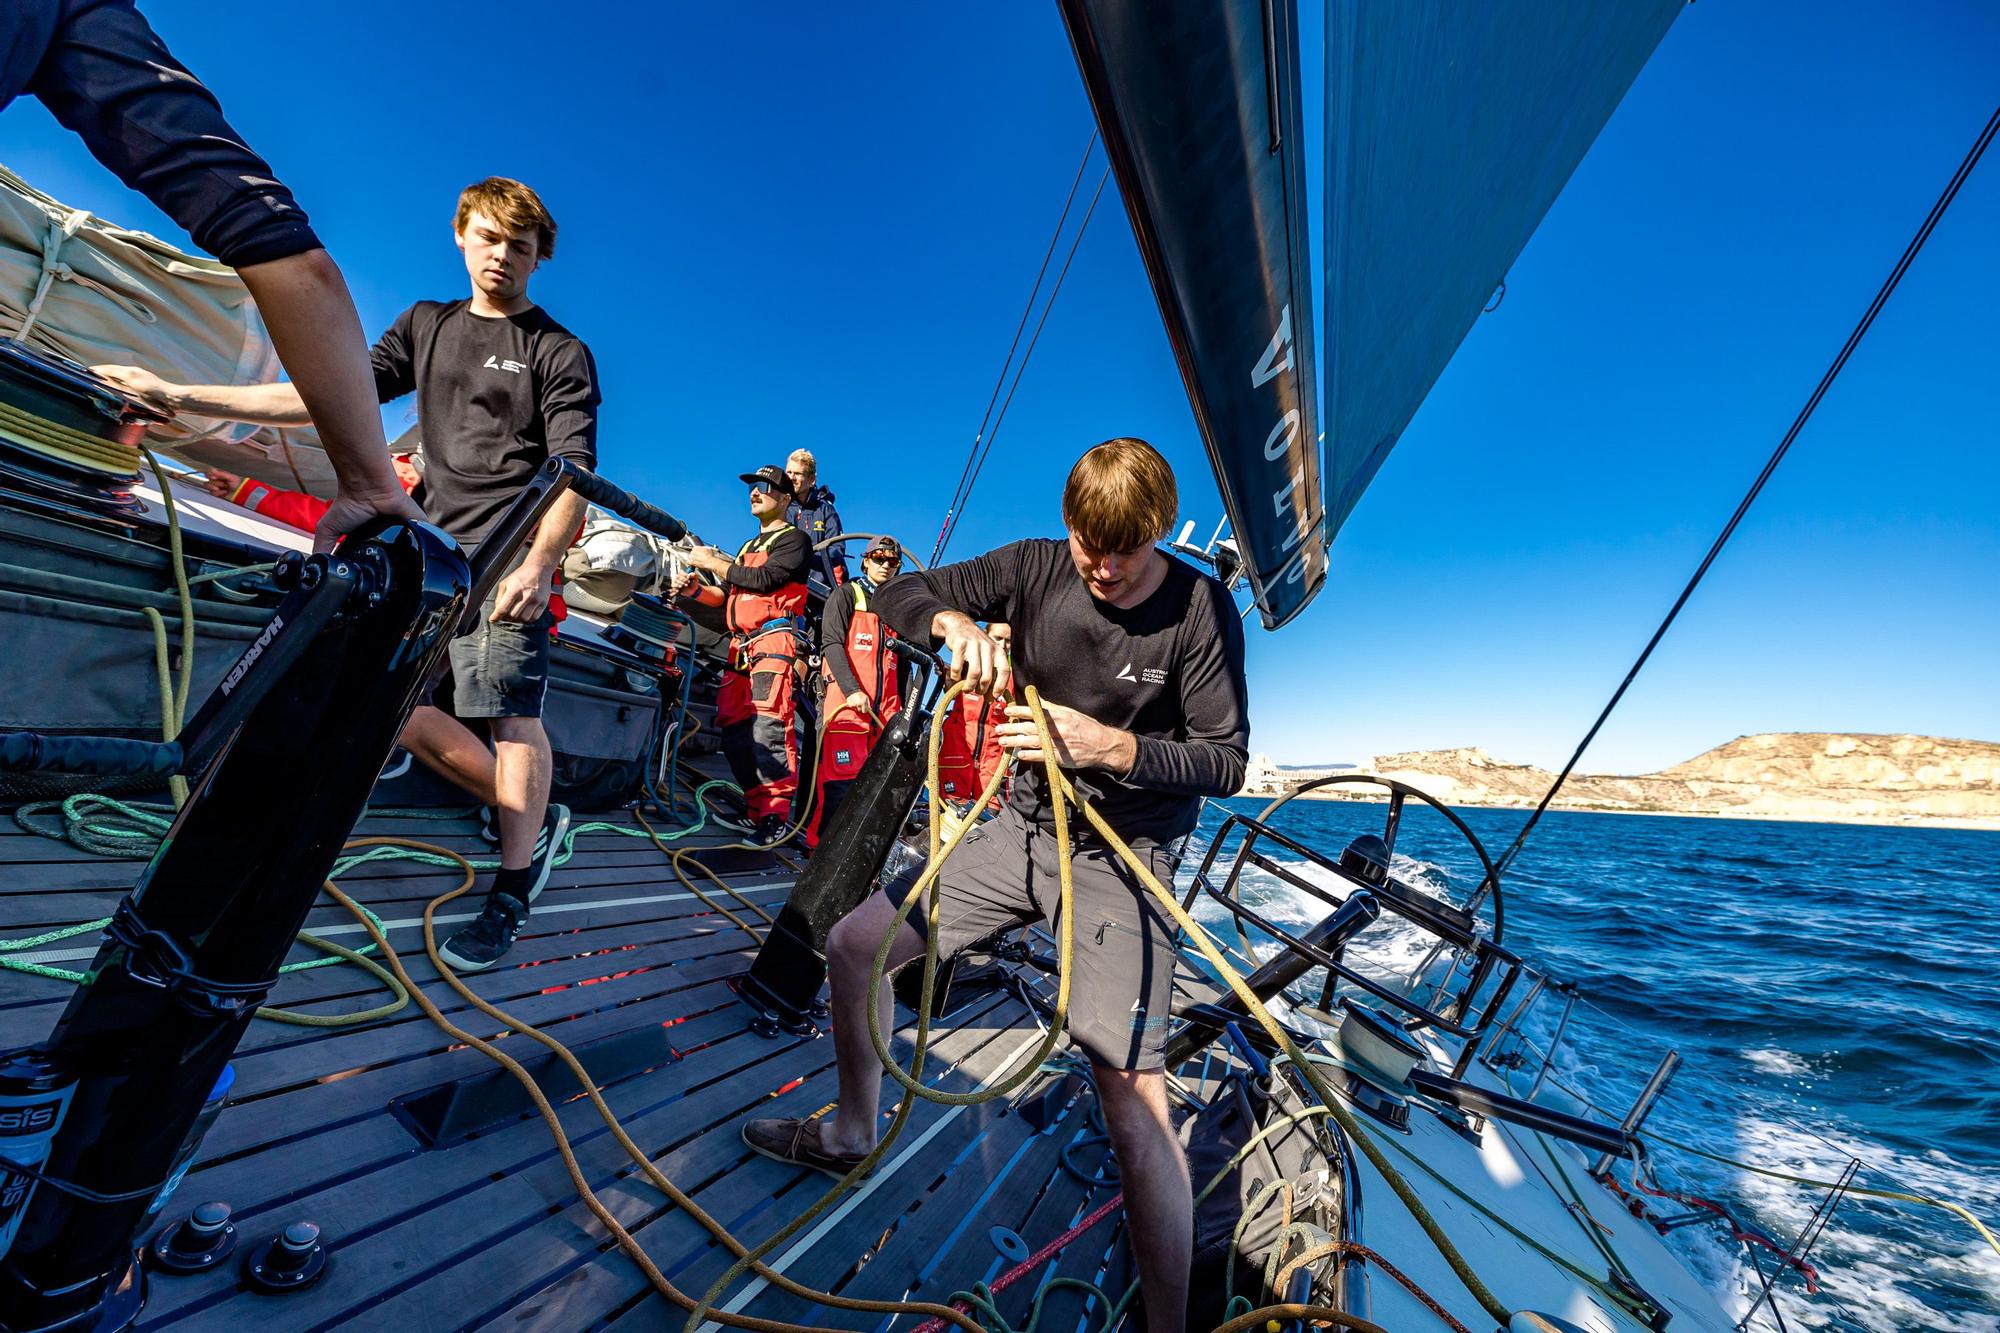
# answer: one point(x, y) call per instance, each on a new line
point(106, 75)
point(833, 626)
point(1169, 670)
point(496, 398)
point(785, 561)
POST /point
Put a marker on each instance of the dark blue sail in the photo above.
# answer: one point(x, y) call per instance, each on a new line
point(1451, 129)
point(1199, 108)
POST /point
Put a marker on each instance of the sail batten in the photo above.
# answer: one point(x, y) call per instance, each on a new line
point(1198, 105)
point(1451, 129)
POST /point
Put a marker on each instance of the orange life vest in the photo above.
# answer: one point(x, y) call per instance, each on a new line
point(873, 662)
point(750, 615)
point(969, 751)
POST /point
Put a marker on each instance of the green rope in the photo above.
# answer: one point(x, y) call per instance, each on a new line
point(173, 692)
point(133, 830)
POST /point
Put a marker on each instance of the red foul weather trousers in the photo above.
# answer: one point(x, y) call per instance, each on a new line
point(757, 710)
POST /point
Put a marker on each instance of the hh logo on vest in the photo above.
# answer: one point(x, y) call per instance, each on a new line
point(843, 756)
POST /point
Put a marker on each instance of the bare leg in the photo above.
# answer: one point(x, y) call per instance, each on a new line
point(1159, 1203)
point(850, 958)
point(522, 767)
point(448, 748)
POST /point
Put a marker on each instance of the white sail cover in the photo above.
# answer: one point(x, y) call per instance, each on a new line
point(98, 293)
point(1451, 129)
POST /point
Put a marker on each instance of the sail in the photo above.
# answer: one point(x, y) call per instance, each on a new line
point(1451, 128)
point(1199, 109)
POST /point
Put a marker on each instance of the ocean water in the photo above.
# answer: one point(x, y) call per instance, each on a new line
point(1834, 991)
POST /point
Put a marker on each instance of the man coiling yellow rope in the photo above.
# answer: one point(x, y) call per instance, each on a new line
point(750, 1260)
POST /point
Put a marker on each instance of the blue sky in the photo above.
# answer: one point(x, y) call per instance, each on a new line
point(787, 225)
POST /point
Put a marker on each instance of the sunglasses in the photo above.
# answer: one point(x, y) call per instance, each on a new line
point(883, 559)
point(762, 488)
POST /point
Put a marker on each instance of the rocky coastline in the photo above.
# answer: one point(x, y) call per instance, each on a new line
point(1817, 777)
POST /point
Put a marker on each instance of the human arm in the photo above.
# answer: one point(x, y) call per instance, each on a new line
point(939, 608)
point(1198, 747)
point(278, 403)
point(294, 509)
point(275, 404)
point(311, 319)
point(833, 643)
point(567, 399)
point(709, 615)
point(524, 593)
point(785, 561)
point(1080, 740)
point(109, 77)
point(313, 324)
point(836, 554)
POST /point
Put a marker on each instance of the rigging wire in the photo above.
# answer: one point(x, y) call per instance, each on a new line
point(1034, 292)
point(951, 522)
point(1756, 487)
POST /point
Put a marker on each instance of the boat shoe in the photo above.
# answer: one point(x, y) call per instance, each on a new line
point(796, 1143)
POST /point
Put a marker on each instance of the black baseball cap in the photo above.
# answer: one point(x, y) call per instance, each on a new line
point(773, 476)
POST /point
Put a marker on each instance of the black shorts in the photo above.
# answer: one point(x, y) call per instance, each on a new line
point(1121, 982)
point(499, 668)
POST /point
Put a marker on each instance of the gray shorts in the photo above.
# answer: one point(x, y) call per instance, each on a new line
point(1121, 982)
point(500, 669)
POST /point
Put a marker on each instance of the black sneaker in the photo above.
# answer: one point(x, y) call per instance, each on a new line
point(771, 831)
point(489, 826)
point(484, 942)
point(547, 844)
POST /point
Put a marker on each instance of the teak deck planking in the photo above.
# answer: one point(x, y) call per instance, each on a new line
point(489, 1230)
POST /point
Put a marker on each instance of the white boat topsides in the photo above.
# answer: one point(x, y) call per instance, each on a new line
point(1507, 1207)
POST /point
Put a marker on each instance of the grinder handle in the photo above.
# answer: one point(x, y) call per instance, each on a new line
point(620, 501)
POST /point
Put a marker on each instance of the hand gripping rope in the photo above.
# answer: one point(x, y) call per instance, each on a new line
point(750, 1260)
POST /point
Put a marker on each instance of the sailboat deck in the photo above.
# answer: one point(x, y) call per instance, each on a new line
point(486, 1228)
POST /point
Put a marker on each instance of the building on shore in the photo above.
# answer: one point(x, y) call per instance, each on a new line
point(1264, 778)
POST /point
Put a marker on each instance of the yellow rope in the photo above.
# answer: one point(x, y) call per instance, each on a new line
point(623, 1237)
point(173, 702)
point(1349, 1124)
point(66, 444)
point(1061, 792)
point(750, 1260)
point(1899, 1195)
point(938, 855)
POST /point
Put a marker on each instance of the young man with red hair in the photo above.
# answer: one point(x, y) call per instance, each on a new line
point(1143, 656)
point(501, 388)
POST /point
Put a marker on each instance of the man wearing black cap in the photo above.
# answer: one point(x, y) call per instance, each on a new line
point(760, 605)
point(864, 680)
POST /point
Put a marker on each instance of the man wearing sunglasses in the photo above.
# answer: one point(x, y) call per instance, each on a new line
point(760, 604)
point(864, 680)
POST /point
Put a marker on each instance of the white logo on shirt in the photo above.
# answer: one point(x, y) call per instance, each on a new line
point(1150, 675)
point(511, 367)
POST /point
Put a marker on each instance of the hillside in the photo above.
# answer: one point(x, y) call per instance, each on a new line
point(1800, 775)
